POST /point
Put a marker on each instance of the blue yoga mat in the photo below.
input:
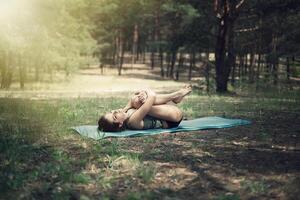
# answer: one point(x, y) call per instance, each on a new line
point(186, 125)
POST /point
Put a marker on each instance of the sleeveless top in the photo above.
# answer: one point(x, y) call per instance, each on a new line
point(149, 121)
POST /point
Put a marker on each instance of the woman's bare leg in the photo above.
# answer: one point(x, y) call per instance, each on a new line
point(166, 112)
point(175, 97)
point(166, 98)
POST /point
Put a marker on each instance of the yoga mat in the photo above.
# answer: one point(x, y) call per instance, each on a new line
point(91, 131)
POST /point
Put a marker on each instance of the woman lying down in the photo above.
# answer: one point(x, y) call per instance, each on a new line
point(146, 110)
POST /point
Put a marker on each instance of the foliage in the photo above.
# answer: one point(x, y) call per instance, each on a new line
point(45, 36)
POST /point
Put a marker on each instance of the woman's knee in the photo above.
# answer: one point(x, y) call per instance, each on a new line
point(176, 114)
point(166, 112)
point(179, 115)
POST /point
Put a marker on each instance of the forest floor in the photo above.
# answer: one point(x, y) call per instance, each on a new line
point(91, 82)
point(40, 158)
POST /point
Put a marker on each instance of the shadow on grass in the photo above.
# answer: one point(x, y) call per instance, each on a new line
point(216, 165)
point(30, 170)
point(28, 166)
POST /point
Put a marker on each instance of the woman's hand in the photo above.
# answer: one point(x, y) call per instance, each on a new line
point(138, 99)
point(142, 96)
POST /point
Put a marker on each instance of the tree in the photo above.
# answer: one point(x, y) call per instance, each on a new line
point(44, 35)
point(226, 12)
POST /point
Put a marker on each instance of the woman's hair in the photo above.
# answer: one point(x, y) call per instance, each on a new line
point(105, 125)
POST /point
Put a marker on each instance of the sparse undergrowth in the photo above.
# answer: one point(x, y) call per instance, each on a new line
point(40, 158)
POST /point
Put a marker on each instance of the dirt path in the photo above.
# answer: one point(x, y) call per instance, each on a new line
point(90, 83)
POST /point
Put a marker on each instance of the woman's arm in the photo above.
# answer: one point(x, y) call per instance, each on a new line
point(137, 117)
point(136, 101)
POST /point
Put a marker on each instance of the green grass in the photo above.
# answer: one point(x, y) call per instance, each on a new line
point(228, 197)
point(141, 195)
point(146, 172)
point(254, 187)
point(40, 156)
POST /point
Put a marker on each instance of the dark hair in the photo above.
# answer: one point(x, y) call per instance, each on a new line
point(105, 125)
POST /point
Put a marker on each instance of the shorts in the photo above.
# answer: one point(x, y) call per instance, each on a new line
point(173, 124)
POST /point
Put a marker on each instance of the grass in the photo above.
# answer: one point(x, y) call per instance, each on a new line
point(254, 187)
point(146, 172)
point(228, 197)
point(40, 157)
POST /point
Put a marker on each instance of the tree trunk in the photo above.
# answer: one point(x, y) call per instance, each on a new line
point(154, 37)
point(288, 70)
point(221, 71)
point(274, 59)
point(161, 56)
point(101, 66)
point(233, 74)
point(246, 65)
point(3, 67)
point(6, 71)
point(115, 51)
point(251, 68)
point(22, 71)
point(140, 46)
point(138, 51)
point(275, 71)
point(231, 52)
point(240, 66)
point(262, 63)
point(152, 59)
point(207, 72)
point(134, 45)
point(227, 16)
point(227, 13)
point(173, 61)
point(144, 55)
point(168, 61)
point(158, 38)
point(258, 67)
point(267, 69)
point(259, 52)
point(121, 56)
point(179, 65)
point(192, 63)
point(121, 61)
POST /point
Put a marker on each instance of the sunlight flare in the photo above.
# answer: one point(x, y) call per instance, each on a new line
point(16, 20)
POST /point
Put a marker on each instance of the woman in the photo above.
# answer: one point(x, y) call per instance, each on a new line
point(146, 110)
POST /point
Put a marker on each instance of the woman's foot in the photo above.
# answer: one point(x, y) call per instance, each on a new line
point(187, 89)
